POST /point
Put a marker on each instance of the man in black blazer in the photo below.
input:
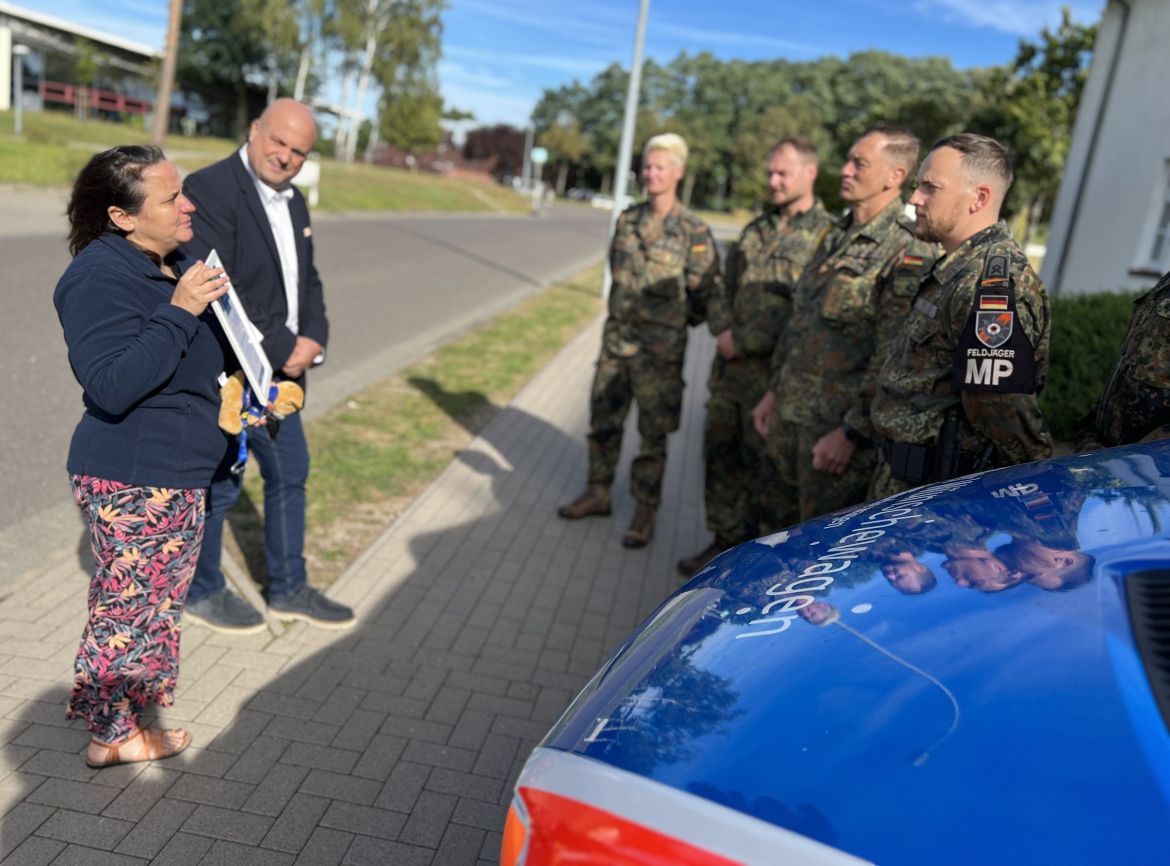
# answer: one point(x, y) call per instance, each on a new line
point(249, 212)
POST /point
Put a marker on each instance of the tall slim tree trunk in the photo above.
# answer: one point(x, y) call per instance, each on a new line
point(272, 79)
point(688, 188)
point(363, 86)
point(1035, 209)
point(343, 120)
point(562, 177)
point(242, 110)
point(302, 72)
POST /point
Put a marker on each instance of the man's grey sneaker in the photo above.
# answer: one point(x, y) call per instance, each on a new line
point(226, 612)
point(310, 605)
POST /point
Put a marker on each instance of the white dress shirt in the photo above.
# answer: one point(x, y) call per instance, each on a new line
point(275, 203)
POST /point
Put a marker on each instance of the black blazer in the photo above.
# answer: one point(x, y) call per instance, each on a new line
point(230, 218)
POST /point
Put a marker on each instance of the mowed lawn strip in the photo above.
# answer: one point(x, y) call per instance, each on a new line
point(373, 454)
point(54, 146)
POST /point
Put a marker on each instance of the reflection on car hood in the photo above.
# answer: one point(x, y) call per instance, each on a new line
point(950, 670)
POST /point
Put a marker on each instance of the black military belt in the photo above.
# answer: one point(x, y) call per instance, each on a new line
point(921, 464)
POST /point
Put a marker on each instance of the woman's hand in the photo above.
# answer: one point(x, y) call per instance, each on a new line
point(198, 287)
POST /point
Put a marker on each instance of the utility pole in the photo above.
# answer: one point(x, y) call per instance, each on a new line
point(625, 149)
point(162, 102)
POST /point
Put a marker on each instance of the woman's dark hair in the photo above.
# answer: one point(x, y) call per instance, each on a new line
point(113, 178)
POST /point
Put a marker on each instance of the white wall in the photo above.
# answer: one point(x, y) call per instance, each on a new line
point(1109, 229)
point(5, 68)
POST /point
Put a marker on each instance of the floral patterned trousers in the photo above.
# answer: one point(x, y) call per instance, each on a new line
point(146, 542)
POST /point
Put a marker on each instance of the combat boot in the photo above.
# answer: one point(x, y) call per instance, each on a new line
point(642, 528)
point(594, 501)
point(687, 567)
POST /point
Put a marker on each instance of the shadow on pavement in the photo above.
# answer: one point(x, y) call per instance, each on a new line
point(481, 614)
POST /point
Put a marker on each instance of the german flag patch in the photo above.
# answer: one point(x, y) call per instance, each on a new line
point(913, 261)
point(993, 302)
point(699, 248)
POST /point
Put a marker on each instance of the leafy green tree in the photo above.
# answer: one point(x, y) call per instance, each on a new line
point(409, 118)
point(86, 64)
point(730, 112)
point(393, 46)
point(1031, 106)
point(705, 107)
point(560, 106)
point(566, 145)
point(600, 117)
point(759, 133)
point(226, 46)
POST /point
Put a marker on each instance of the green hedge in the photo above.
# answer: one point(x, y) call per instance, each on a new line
point(1087, 331)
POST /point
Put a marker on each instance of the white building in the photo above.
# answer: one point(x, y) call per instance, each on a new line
point(125, 79)
point(1110, 227)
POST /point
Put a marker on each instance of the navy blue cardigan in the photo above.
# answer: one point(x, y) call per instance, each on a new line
point(148, 370)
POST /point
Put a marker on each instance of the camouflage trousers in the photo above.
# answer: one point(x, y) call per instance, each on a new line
point(884, 483)
point(803, 492)
point(738, 469)
point(656, 384)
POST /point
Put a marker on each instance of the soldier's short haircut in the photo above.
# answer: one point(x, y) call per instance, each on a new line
point(902, 145)
point(672, 143)
point(982, 158)
point(802, 144)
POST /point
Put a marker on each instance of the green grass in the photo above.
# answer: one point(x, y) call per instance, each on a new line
point(357, 186)
point(54, 146)
point(380, 449)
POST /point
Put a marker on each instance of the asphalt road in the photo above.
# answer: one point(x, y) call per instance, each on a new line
point(396, 286)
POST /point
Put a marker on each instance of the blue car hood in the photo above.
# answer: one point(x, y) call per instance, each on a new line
point(989, 708)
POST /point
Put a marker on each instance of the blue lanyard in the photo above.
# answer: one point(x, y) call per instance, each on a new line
point(252, 413)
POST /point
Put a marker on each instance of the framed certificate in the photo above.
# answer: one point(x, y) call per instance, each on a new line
point(244, 337)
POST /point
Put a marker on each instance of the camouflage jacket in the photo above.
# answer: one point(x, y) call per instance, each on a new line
point(950, 353)
point(849, 304)
point(1137, 398)
point(754, 299)
point(663, 272)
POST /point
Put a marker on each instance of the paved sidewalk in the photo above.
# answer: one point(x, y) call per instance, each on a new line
point(481, 614)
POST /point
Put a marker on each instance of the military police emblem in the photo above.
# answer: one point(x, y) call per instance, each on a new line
point(992, 354)
point(993, 321)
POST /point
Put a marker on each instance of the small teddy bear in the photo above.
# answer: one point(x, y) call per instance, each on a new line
point(284, 398)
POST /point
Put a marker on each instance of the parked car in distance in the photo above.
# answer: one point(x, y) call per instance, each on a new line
point(974, 672)
point(577, 193)
point(605, 201)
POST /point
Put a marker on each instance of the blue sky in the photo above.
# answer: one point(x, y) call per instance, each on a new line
point(499, 55)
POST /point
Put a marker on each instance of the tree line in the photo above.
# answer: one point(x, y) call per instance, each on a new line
point(238, 55)
point(730, 112)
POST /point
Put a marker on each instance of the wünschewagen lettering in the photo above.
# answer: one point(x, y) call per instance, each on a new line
point(789, 597)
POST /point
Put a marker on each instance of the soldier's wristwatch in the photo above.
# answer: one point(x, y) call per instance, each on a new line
point(852, 435)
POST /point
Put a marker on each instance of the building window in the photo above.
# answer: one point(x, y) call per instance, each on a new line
point(1154, 255)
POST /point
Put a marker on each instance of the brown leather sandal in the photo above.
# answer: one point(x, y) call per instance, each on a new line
point(154, 748)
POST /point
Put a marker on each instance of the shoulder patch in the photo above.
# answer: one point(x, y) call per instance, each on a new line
point(992, 354)
point(995, 270)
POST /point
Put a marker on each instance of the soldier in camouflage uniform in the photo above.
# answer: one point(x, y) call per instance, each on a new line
point(664, 265)
point(958, 392)
point(847, 307)
point(1136, 402)
point(746, 313)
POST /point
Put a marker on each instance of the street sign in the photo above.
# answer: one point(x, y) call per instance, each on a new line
point(539, 155)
